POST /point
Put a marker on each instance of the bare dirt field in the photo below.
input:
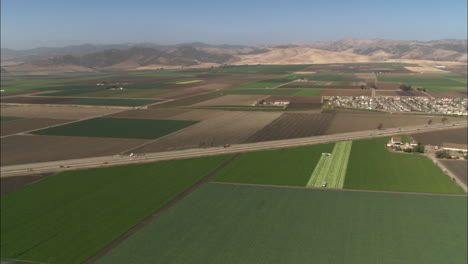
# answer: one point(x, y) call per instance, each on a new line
point(448, 94)
point(400, 93)
point(31, 148)
point(346, 92)
point(36, 100)
point(457, 167)
point(293, 126)
point(22, 125)
point(459, 136)
point(229, 128)
point(161, 113)
point(350, 122)
point(388, 86)
point(232, 99)
point(59, 112)
point(200, 115)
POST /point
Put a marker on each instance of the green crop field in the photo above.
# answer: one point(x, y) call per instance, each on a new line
point(257, 85)
point(9, 118)
point(68, 217)
point(291, 166)
point(109, 102)
point(187, 82)
point(372, 167)
point(133, 93)
point(332, 169)
point(433, 83)
point(118, 128)
point(229, 224)
point(334, 78)
point(275, 92)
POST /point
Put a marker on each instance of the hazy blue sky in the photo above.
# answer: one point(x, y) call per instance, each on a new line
point(35, 23)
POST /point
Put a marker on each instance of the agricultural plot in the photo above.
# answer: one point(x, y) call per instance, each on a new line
point(36, 100)
point(457, 167)
point(218, 128)
point(331, 170)
point(372, 167)
point(232, 99)
point(150, 113)
point(392, 86)
point(43, 111)
point(346, 92)
point(26, 124)
point(297, 102)
point(69, 217)
point(9, 118)
point(118, 128)
point(291, 166)
point(433, 82)
point(437, 138)
point(293, 126)
point(189, 100)
point(133, 93)
point(109, 102)
point(448, 94)
point(400, 93)
point(18, 149)
point(221, 223)
point(258, 69)
point(276, 92)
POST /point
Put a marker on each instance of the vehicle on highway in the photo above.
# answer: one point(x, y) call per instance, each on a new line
point(227, 145)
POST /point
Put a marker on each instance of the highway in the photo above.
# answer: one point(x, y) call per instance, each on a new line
point(57, 166)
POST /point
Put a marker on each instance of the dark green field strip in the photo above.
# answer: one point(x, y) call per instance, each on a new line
point(133, 93)
point(291, 166)
point(334, 78)
point(229, 224)
point(118, 128)
point(109, 102)
point(69, 217)
point(9, 118)
point(372, 167)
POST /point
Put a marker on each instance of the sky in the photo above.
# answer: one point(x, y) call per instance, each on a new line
point(28, 24)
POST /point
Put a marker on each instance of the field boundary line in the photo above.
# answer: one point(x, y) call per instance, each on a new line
point(334, 189)
point(158, 212)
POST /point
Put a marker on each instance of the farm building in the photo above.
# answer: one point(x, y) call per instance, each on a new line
point(455, 147)
point(396, 141)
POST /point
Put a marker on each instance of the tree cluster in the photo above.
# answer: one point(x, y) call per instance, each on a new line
point(405, 87)
point(443, 154)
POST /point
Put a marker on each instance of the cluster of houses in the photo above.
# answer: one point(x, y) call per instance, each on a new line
point(453, 151)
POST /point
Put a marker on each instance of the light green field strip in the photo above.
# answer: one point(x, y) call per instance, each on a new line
point(332, 169)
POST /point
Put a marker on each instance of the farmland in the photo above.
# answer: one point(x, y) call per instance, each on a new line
point(331, 170)
point(437, 138)
point(9, 118)
point(43, 111)
point(458, 167)
point(22, 149)
point(26, 124)
point(372, 167)
point(118, 128)
point(248, 224)
point(109, 102)
point(65, 207)
point(275, 92)
point(433, 82)
point(293, 126)
point(291, 166)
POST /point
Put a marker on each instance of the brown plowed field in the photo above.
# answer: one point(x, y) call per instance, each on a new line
point(388, 86)
point(232, 99)
point(400, 93)
point(231, 127)
point(36, 100)
point(59, 112)
point(22, 125)
point(369, 121)
point(29, 149)
point(346, 92)
point(200, 115)
point(457, 167)
point(293, 126)
point(436, 138)
point(149, 113)
point(449, 94)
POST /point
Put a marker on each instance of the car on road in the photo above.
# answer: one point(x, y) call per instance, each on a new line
point(227, 145)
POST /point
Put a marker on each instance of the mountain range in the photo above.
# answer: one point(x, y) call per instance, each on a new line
point(89, 57)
